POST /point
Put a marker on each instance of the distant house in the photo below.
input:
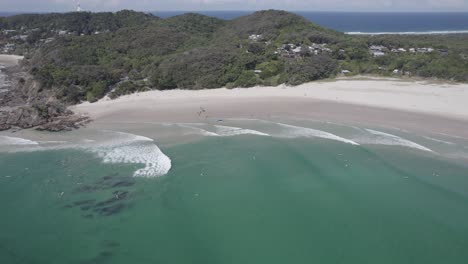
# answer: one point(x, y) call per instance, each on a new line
point(345, 72)
point(255, 37)
point(20, 37)
point(297, 50)
point(8, 31)
point(377, 51)
point(425, 50)
point(9, 47)
point(377, 48)
point(49, 40)
point(400, 50)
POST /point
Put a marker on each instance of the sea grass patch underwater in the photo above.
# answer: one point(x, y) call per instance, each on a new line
point(247, 198)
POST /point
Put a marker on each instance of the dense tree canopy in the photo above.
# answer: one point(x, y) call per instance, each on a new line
point(124, 52)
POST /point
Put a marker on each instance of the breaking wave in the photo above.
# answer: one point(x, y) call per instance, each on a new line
point(129, 148)
point(382, 138)
point(221, 131)
point(198, 131)
point(15, 141)
point(234, 131)
point(439, 140)
point(119, 147)
point(296, 131)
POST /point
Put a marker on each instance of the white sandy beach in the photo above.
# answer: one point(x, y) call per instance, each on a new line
point(9, 60)
point(409, 104)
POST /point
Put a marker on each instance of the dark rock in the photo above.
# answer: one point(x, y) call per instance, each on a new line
point(64, 123)
point(120, 194)
point(105, 254)
point(86, 207)
point(111, 244)
point(123, 183)
point(27, 105)
point(86, 189)
point(4, 127)
point(107, 202)
point(100, 258)
point(111, 210)
point(84, 202)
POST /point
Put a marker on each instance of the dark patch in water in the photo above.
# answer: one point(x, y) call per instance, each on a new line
point(86, 189)
point(111, 206)
point(123, 184)
point(110, 210)
point(107, 202)
point(86, 207)
point(84, 202)
point(105, 254)
point(121, 194)
point(102, 257)
point(107, 182)
point(111, 244)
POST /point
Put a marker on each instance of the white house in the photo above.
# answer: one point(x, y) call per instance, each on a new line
point(255, 37)
point(378, 53)
point(297, 50)
point(345, 72)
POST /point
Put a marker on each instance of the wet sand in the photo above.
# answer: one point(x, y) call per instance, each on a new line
point(428, 107)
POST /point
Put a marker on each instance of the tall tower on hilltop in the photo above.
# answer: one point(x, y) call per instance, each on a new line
point(78, 6)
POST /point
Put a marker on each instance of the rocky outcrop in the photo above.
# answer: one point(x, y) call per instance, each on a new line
point(65, 123)
point(26, 105)
point(47, 116)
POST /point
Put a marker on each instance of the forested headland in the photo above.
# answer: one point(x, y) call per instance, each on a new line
point(84, 56)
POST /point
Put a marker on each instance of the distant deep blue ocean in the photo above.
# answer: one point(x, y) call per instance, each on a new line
point(375, 22)
point(367, 22)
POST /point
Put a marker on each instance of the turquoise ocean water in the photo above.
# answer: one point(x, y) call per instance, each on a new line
point(244, 191)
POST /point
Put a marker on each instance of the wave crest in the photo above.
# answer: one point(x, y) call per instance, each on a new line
point(296, 131)
point(135, 149)
point(235, 131)
point(382, 138)
point(15, 141)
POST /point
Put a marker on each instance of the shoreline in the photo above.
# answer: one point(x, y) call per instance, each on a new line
point(435, 32)
point(413, 105)
point(10, 60)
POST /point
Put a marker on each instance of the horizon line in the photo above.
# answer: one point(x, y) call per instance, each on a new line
point(252, 10)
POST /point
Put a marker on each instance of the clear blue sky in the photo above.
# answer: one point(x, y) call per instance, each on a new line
point(196, 5)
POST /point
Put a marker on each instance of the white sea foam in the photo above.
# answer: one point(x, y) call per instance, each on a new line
point(439, 140)
point(117, 147)
point(382, 138)
point(53, 142)
point(228, 131)
point(297, 131)
point(129, 148)
point(197, 130)
point(15, 141)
